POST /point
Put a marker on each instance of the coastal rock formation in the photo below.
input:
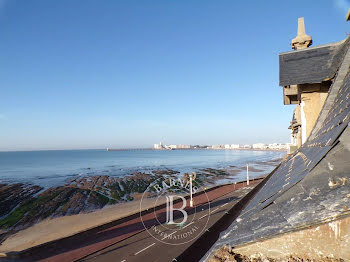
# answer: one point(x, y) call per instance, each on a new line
point(24, 205)
point(12, 195)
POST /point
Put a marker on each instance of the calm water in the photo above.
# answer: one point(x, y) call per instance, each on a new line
point(49, 168)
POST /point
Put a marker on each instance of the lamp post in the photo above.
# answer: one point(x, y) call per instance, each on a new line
point(192, 177)
point(247, 174)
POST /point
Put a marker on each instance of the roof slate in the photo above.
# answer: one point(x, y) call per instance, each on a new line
point(311, 65)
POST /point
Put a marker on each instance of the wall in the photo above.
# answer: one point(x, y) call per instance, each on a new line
point(311, 106)
point(326, 240)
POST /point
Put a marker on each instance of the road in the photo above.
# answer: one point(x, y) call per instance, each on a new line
point(144, 247)
point(127, 240)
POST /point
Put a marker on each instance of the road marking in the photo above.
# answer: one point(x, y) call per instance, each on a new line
point(214, 210)
point(144, 249)
point(203, 216)
point(188, 224)
point(224, 205)
point(168, 235)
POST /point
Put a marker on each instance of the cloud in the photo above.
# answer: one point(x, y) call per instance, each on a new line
point(342, 5)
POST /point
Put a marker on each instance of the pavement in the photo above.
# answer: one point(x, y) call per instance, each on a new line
point(129, 241)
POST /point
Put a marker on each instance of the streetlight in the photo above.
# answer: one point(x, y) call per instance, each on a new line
point(247, 174)
point(192, 177)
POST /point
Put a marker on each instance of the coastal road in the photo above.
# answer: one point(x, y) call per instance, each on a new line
point(144, 247)
point(129, 241)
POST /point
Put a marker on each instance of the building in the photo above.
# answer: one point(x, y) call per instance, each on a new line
point(170, 147)
point(306, 75)
point(234, 146)
point(259, 146)
point(183, 146)
point(158, 146)
point(295, 131)
point(302, 208)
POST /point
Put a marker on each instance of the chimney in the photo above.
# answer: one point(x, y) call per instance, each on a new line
point(302, 40)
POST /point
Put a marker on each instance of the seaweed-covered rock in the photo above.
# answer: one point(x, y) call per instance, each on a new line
point(24, 205)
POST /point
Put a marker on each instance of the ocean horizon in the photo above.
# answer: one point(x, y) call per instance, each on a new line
point(49, 168)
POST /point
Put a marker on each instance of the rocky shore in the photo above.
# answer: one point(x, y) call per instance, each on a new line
point(23, 205)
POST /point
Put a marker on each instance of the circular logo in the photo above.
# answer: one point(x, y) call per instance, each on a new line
point(180, 209)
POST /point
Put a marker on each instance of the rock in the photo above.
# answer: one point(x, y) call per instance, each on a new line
point(21, 207)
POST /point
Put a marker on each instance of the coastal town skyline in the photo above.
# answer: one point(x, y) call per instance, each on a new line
point(259, 146)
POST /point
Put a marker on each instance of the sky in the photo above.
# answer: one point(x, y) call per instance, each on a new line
point(107, 73)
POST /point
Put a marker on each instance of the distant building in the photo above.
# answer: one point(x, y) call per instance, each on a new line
point(234, 146)
point(158, 146)
point(162, 146)
point(277, 146)
point(259, 146)
point(247, 146)
point(183, 146)
point(227, 146)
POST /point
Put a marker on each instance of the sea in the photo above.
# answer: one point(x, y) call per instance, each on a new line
point(56, 167)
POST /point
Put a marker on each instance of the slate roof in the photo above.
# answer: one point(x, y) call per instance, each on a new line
point(312, 185)
point(311, 65)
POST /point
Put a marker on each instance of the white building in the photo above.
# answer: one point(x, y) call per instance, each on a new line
point(277, 146)
point(227, 146)
point(259, 146)
point(158, 146)
point(247, 146)
point(234, 146)
point(183, 146)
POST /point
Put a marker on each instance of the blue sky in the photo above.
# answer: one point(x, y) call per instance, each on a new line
point(109, 73)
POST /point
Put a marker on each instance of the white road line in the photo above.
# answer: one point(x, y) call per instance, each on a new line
point(203, 216)
point(188, 224)
point(168, 235)
point(224, 204)
point(144, 249)
point(214, 210)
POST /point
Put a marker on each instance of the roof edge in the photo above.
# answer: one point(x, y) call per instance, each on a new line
point(314, 47)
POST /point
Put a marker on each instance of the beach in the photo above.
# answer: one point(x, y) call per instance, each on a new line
point(32, 213)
